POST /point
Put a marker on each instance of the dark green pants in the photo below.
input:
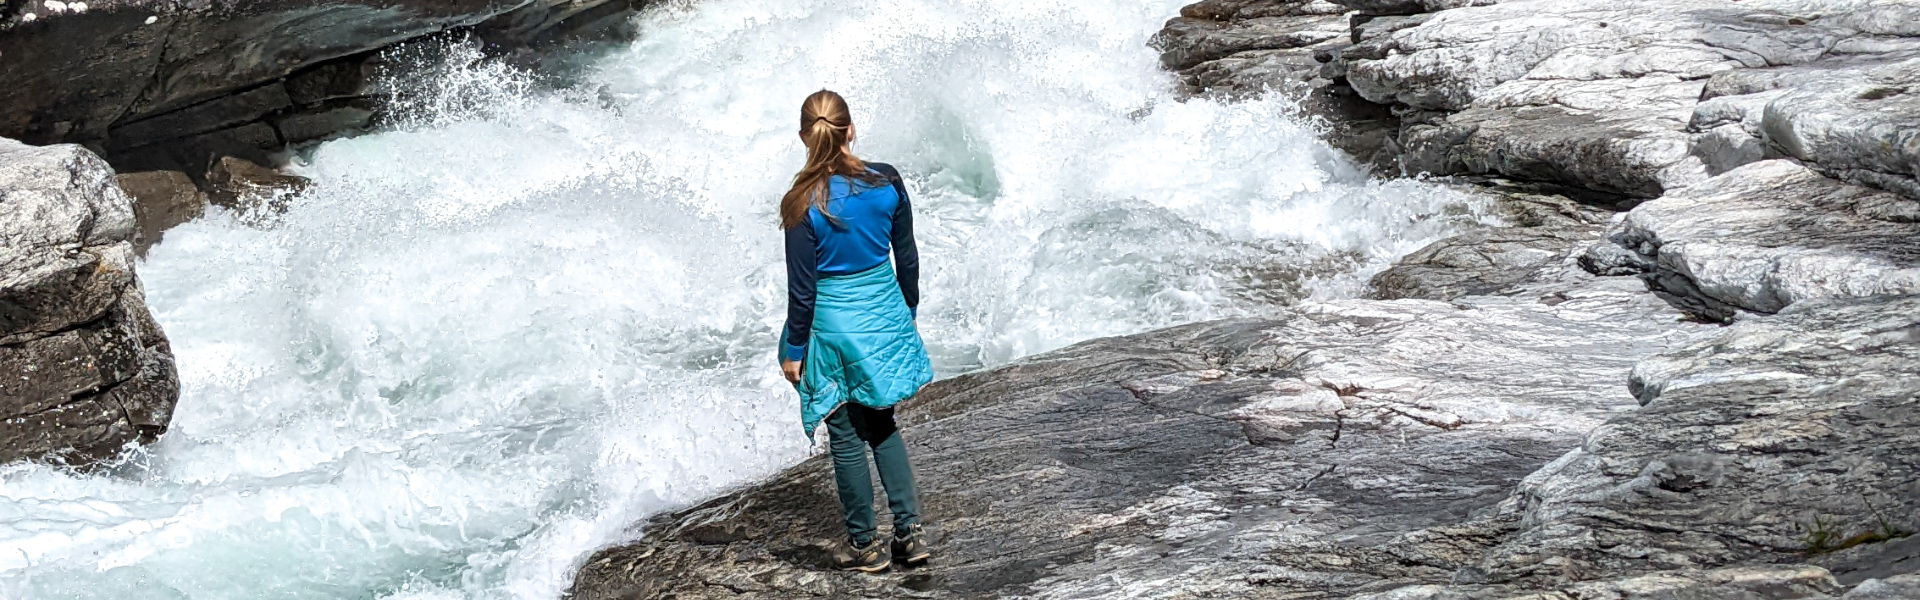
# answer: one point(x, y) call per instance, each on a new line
point(852, 430)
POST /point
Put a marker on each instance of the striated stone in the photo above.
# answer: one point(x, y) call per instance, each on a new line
point(1187, 42)
point(1860, 126)
point(1769, 234)
point(219, 113)
point(1791, 437)
point(161, 200)
point(1230, 10)
point(320, 124)
point(86, 368)
point(1480, 263)
point(128, 75)
point(1327, 452)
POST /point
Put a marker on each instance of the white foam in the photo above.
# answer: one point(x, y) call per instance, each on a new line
point(488, 342)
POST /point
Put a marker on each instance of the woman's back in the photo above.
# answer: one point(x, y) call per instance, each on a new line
point(862, 227)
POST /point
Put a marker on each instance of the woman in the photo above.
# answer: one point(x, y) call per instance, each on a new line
point(850, 346)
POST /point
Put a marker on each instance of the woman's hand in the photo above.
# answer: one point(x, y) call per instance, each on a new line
point(791, 368)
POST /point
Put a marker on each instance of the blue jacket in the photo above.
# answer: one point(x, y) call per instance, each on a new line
point(866, 223)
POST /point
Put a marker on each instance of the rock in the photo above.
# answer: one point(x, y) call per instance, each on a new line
point(1330, 451)
point(240, 184)
point(1861, 127)
point(1892, 588)
point(1634, 98)
point(161, 200)
point(324, 124)
point(1791, 437)
point(1187, 42)
point(1237, 49)
point(1542, 232)
point(1479, 263)
point(1800, 582)
point(167, 85)
point(87, 368)
point(1766, 235)
point(1407, 7)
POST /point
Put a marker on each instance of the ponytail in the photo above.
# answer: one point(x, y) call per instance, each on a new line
point(826, 127)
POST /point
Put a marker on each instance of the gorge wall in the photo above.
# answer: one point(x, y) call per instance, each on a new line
point(158, 85)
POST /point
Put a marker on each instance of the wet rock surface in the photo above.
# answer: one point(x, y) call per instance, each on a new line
point(86, 368)
point(1335, 450)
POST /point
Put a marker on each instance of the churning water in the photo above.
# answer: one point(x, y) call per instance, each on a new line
point(488, 341)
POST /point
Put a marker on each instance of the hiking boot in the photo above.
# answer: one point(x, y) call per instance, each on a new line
point(911, 549)
point(871, 558)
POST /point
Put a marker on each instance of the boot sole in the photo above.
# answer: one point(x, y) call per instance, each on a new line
point(873, 568)
point(918, 558)
point(866, 569)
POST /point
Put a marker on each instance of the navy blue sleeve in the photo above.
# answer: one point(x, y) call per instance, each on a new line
point(906, 252)
point(802, 275)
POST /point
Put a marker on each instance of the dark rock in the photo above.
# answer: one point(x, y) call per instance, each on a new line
point(1326, 453)
point(1407, 7)
point(244, 185)
point(1232, 10)
point(202, 80)
point(219, 113)
point(161, 200)
point(331, 81)
point(88, 369)
point(309, 126)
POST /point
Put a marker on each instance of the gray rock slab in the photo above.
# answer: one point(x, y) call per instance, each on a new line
point(1789, 437)
point(1863, 126)
point(1186, 42)
point(1324, 453)
point(1772, 233)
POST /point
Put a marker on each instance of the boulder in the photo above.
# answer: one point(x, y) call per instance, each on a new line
point(1542, 231)
point(1332, 450)
point(1484, 262)
point(1766, 235)
point(161, 200)
point(243, 185)
point(88, 369)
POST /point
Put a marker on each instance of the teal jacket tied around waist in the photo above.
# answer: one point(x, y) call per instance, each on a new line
point(864, 347)
point(849, 311)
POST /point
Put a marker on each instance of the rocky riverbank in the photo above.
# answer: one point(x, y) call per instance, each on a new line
point(1558, 409)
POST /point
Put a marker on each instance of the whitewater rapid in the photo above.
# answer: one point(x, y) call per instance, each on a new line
point(493, 337)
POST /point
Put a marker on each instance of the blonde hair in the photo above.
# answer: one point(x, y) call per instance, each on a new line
point(825, 126)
